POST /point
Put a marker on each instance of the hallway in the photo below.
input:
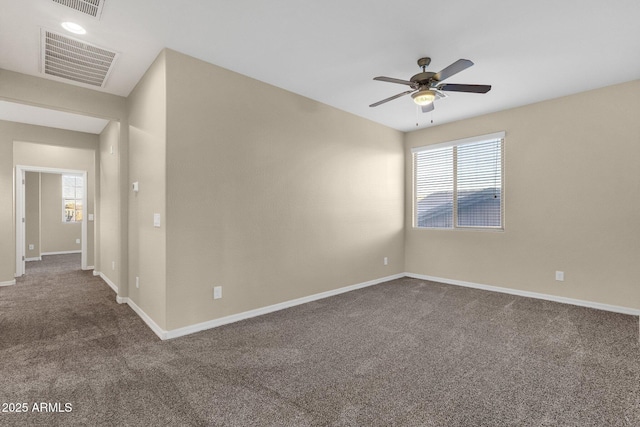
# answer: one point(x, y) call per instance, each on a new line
point(51, 264)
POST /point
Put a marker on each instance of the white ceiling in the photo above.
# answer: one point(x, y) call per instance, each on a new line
point(330, 50)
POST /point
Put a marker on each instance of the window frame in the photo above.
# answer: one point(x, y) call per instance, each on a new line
point(456, 143)
point(76, 199)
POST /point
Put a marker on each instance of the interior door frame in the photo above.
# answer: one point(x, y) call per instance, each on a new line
point(20, 213)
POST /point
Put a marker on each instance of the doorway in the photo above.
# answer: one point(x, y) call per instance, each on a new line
point(71, 210)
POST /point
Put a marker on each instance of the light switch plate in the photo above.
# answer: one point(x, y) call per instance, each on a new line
point(90, 217)
point(156, 220)
point(217, 292)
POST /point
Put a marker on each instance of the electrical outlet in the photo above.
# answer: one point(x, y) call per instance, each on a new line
point(560, 276)
point(137, 282)
point(78, 241)
point(217, 292)
point(386, 261)
point(31, 247)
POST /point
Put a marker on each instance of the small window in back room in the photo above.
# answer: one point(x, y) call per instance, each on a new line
point(459, 184)
point(72, 195)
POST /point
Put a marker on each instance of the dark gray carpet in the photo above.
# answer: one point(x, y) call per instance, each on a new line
point(54, 264)
point(404, 353)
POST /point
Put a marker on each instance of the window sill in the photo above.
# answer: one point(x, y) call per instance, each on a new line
point(482, 230)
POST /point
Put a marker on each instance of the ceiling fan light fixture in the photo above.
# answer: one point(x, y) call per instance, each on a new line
point(424, 97)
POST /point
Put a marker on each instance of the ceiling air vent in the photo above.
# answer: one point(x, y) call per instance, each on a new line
point(72, 59)
point(89, 7)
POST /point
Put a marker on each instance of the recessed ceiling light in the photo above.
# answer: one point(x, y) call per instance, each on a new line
point(74, 28)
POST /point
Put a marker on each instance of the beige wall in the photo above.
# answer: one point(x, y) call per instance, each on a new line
point(147, 164)
point(57, 236)
point(572, 195)
point(107, 219)
point(60, 96)
point(7, 222)
point(32, 214)
point(272, 199)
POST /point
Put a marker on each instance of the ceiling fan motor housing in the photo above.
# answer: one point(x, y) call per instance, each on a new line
point(422, 78)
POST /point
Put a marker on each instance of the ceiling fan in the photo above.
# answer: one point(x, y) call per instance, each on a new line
point(427, 86)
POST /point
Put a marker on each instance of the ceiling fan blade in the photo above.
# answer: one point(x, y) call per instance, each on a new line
point(455, 68)
point(391, 98)
point(465, 88)
point(428, 107)
point(392, 80)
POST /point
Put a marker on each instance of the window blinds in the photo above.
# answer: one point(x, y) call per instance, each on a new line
point(434, 188)
point(459, 184)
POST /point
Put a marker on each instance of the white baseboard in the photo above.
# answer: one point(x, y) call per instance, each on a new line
point(107, 281)
point(89, 267)
point(8, 283)
point(161, 333)
point(187, 330)
point(37, 258)
point(175, 333)
point(96, 272)
point(61, 253)
point(191, 329)
point(547, 297)
point(123, 300)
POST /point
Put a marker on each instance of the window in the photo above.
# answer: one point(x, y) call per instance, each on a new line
point(72, 194)
point(458, 184)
